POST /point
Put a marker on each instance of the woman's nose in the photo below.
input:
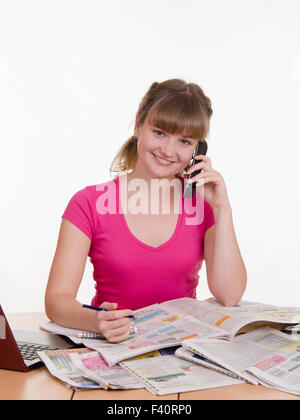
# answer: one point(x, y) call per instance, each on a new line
point(168, 149)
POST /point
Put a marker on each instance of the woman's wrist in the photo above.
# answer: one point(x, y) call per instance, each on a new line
point(224, 209)
point(66, 311)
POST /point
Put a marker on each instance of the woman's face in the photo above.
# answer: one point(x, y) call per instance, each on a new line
point(162, 153)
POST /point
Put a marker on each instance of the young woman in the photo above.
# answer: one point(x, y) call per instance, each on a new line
point(146, 246)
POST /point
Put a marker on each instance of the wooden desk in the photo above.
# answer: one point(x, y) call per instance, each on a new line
point(39, 384)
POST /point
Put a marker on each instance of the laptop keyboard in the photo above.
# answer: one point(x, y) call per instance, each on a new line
point(28, 350)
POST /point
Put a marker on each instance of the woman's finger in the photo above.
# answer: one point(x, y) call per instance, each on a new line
point(197, 167)
point(118, 334)
point(110, 306)
point(206, 179)
point(204, 158)
point(118, 323)
point(202, 174)
point(112, 315)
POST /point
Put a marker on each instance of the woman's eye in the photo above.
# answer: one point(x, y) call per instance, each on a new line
point(186, 141)
point(158, 132)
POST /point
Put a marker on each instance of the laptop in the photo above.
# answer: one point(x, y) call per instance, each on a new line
point(18, 348)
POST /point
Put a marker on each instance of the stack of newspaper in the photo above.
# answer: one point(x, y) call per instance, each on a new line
point(83, 369)
point(208, 349)
point(263, 356)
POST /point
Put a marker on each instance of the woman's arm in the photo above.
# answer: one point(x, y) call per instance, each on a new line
point(226, 271)
point(64, 280)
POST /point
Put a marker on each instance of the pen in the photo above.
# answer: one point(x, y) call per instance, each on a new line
point(101, 309)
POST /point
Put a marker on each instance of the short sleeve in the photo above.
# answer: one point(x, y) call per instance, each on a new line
point(79, 212)
point(209, 216)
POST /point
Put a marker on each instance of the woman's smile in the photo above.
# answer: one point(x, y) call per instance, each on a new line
point(161, 161)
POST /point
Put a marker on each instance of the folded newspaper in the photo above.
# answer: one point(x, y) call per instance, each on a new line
point(83, 369)
point(264, 356)
point(173, 322)
point(187, 354)
point(165, 373)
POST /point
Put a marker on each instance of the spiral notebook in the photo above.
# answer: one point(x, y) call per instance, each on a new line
point(58, 329)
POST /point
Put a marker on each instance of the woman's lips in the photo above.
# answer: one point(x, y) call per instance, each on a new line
point(161, 161)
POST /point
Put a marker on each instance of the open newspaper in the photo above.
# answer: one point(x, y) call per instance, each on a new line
point(59, 364)
point(265, 355)
point(164, 374)
point(186, 354)
point(171, 323)
point(93, 366)
point(83, 369)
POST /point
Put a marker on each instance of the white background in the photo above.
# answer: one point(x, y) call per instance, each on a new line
point(72, 74)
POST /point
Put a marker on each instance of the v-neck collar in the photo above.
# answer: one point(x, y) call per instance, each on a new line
point(138, 241)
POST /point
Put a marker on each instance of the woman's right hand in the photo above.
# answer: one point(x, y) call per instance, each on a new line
point(113, 324)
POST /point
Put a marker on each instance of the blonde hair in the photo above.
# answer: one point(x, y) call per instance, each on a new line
point(174, 106)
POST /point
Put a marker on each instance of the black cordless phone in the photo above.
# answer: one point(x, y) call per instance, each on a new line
point(201, 149)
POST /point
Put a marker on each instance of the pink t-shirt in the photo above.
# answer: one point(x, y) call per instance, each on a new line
point(128, 271)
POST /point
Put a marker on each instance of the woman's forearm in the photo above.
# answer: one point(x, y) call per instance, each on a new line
point(68, 312)
point(228, 275)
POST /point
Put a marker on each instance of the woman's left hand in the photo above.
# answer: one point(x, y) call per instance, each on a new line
point(210, 183)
